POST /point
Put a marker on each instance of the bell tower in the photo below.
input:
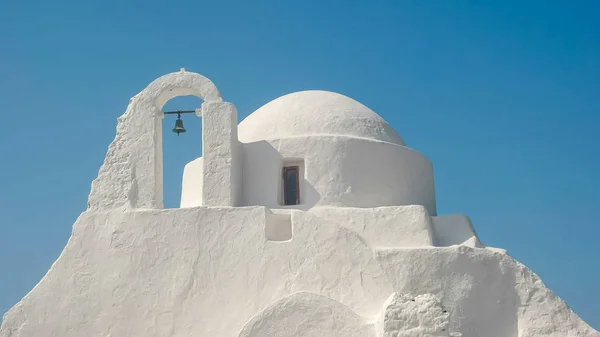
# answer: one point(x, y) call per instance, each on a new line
point(132, 173)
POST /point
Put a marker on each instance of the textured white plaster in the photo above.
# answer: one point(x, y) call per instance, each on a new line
point(484, 291)
point(208, 271)
point(200, 271)
point(220, 152)
point(342, 264)
point(308, 315)
point(339, 171)
point(131, 175)
point(315, 112)
point(384, 227)
point(414, 316)
point(311, 315)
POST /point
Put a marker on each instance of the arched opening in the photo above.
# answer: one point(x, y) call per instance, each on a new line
point(179, 149)
point(132, 173)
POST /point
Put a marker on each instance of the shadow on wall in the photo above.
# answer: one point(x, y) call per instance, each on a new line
point(454, 229)
point(263, 178)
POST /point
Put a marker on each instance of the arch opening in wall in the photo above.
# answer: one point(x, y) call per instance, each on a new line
point(135, 180)
point(179, 149)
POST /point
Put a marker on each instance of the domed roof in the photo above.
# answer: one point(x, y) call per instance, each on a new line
point(315, 112)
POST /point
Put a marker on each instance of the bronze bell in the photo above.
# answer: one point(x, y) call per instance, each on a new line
point(179, 125)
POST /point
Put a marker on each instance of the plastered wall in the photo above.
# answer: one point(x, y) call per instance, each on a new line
point(339, 171)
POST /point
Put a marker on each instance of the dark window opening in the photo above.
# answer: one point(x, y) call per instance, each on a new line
point(291, 185)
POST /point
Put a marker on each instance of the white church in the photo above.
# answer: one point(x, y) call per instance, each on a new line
point(311, 218)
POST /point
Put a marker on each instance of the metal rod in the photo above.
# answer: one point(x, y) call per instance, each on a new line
point(179, 112)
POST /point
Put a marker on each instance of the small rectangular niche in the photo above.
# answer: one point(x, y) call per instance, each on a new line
point(292, 174)
point(278, 227)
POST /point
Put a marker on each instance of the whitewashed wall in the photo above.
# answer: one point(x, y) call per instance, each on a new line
point(339, 171)
point(131, 269)
point(212, 272)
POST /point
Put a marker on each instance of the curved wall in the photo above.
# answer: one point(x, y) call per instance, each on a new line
point(192, 184)
point(339, 171)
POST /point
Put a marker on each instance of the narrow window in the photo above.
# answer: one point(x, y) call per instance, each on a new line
point(291, 185)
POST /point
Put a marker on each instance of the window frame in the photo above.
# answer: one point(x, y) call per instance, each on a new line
point(285, 171)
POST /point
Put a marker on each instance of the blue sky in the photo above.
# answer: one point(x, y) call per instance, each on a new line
point(502, 96)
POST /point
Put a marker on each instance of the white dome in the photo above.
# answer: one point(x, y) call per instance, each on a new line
point(315, 112)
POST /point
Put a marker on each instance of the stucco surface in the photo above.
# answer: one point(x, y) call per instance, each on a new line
point(210, 271)
point(384, 227)
point(408, 316)
point(338, 171)
point(132, 173)
point(221, 167)
point(308, 315)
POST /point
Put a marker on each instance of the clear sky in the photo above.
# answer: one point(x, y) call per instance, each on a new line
point(502, 96)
